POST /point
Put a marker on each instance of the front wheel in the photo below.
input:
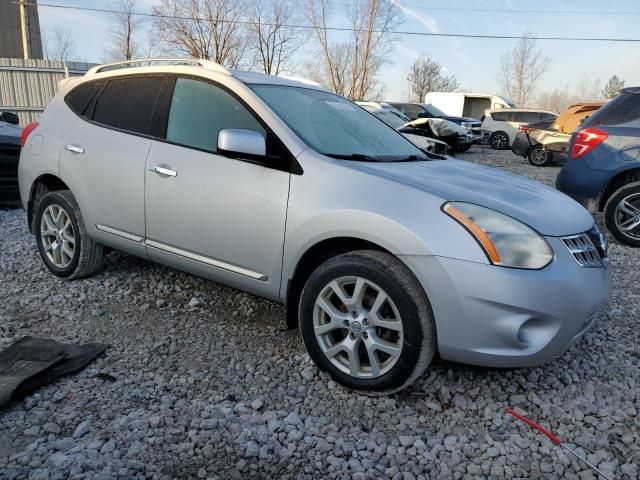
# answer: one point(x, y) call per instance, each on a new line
point(539, 157)
point(622, 214)
point(499, 140)
point(367, 323)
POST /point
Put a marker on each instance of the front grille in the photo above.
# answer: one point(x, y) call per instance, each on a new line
point(589, 249)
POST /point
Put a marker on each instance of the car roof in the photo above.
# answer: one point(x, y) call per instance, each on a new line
point(198, 66)
point(631, 90)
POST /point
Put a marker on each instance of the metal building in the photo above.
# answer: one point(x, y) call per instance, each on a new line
point(16, 41)
point(26, 86)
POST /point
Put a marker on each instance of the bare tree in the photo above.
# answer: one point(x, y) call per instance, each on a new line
point(122, 36)
point(426, 76)
point(208, 29)
point(556, 100)
point(588, 90)
point(613, 86)
point(521, 69)
point(272, 39)
point(350, 67)
point(59, 46)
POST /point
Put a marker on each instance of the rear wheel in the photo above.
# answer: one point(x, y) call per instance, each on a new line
point(539, 157)
point(622, 214)
point(63, 242)
point(366, 322)
point(499, 140)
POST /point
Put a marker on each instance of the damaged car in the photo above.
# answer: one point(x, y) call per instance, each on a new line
point(546, 141)
point(397, 120)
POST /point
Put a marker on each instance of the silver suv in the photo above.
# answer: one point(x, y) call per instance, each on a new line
point(382, 254)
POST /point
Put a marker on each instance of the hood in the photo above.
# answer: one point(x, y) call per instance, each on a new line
point(10, 133)
point(545, 209)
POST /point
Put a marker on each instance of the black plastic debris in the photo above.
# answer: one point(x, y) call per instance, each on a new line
point(33, 362)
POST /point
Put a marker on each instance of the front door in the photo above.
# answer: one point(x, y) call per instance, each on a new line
point(219, 217)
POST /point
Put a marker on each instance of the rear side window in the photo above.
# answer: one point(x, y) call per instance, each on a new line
point(501, 116)
point(128, 104)
point(527, 117)
point(199, 110)
point(79, 97)
point(623, 109)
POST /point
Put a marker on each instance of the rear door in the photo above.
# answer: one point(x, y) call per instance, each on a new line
point(103, 157)
point(215, 215)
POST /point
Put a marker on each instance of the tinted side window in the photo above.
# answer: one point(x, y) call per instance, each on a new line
point(79, 97)
point(527, 117)
point(500, 116)
point(624, 108)
point(128, 103)
point(199, 110)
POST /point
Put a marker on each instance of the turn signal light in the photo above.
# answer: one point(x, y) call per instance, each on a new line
point(586, 140)
point(480, 235)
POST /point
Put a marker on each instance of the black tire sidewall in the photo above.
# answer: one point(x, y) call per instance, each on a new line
point(50, 199)
point(407, 308)
point(610, 211)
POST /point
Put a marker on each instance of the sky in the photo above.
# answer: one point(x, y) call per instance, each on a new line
point(475, 62)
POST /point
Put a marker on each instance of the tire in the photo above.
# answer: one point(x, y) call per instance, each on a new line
point(462, 148)
point(539, 157)
point(407, 308)
point(83, 256)
point(499, 141)
point(623, 209)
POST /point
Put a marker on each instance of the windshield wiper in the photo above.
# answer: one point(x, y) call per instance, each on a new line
point(354, 156)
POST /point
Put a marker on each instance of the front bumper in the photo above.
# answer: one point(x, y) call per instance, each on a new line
point(505, 317)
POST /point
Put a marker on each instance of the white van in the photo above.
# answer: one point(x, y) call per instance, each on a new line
point(462, 104)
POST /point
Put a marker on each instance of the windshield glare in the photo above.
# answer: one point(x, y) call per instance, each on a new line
point(334, 126)
point(435, 111)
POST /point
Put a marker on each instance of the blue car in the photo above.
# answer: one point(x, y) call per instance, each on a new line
point(603, 167)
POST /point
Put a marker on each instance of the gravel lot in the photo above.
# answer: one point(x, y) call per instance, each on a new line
point(202, 381)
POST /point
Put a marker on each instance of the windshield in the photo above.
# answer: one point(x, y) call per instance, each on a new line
point(389, 117)
point(435, 111)
point(336, 127)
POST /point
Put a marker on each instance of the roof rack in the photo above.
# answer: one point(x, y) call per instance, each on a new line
point(150, 62)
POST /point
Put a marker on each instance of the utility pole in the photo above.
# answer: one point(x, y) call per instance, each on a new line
point(24, 29)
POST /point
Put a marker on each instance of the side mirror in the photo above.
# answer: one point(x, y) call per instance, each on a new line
point(242, 142)
point(10, 117)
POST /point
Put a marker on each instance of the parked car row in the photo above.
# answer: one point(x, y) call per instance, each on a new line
point(384, 255)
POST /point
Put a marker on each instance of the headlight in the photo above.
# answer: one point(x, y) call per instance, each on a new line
point(466, 124)
point(506, 241)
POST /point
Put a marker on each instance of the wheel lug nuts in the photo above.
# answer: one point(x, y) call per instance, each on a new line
point(365, 335)
point(354, 314)
point(346, 323)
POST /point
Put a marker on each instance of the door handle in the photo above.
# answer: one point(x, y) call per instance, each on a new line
point(164, 171)
point(74, 148)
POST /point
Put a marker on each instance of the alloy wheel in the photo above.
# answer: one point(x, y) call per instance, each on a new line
point(627, 216)
point(58, 236)
point(499, 141)
point(358, 327)
point(538, 156)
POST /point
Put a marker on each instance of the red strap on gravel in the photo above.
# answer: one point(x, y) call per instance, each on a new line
point(533, 424)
